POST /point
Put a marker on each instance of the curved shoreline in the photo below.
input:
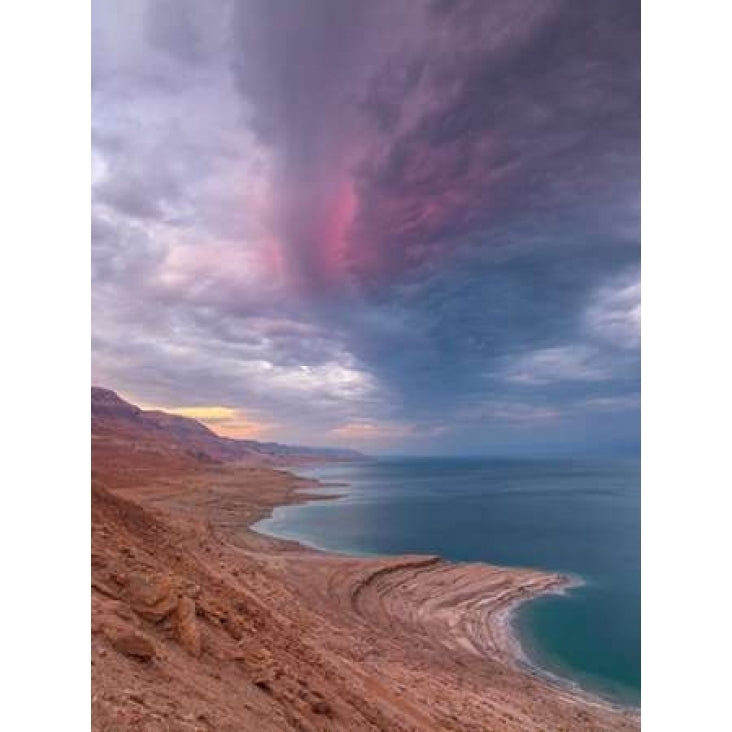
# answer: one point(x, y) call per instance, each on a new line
point(370, 643)
point(563, 682)
point(502, 621)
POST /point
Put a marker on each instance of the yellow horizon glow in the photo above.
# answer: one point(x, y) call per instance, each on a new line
point(204, 413)
point(371, 430)
point(224, 421)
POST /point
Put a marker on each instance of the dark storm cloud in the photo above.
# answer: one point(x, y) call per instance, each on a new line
point(301, 69)
point(542, 124)
point(411, 219)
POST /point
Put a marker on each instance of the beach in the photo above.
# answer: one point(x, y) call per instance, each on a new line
point(198, 622)
point(574, 517)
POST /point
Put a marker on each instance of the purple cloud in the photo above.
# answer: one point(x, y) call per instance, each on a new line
point(335, 216)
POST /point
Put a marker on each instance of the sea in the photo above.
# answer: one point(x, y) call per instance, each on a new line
point(580, 517)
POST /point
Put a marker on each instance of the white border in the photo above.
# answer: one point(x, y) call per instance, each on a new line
point(686, 400)
point(686, 366)
point(45, 544)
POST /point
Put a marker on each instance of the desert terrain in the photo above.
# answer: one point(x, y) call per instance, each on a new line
point(200, 623)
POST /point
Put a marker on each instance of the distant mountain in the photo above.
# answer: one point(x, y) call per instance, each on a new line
point(114, 418)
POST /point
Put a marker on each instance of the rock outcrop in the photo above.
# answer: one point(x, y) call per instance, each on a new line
point(129, 641)
point(186, 625)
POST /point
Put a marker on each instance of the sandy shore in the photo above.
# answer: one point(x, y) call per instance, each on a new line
point(201, 623)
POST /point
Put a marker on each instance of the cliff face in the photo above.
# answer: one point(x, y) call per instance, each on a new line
point(114, 418)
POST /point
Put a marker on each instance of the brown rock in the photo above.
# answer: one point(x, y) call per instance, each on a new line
point(321, 707)
point(151, 596)
point(125, 612)
point(264, 683)
point(113, 610)
point(187, 628)
point(130, 642)
point(232, 627)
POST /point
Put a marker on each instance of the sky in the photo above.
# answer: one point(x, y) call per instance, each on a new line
point(400, 226)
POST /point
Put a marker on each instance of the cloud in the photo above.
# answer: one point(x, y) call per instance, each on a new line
point(621, 403)
point(513, 412)
point(560, 363)
point(363, 430)
point(614, 314)
point(370, 434)
point(366, 218)
point(224, 420)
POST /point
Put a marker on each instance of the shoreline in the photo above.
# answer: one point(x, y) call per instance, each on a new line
point(504, 620)
point(391, 642)
point(564, 682)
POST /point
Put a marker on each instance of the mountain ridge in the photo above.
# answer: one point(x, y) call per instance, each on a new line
point(114, 418)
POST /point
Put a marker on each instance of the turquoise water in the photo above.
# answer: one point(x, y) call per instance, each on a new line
point(577, 517)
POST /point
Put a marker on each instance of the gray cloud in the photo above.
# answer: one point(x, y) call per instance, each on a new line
point(354, 219)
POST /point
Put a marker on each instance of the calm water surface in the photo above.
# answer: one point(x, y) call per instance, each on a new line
point(578, 517)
